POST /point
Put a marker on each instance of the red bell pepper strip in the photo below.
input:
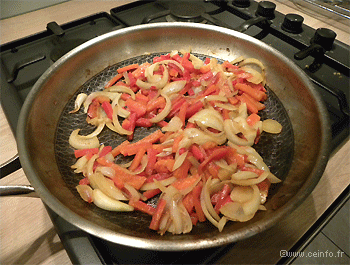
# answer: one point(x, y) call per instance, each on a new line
point(217, 154)
point(152, 158)
point(154, 225)
point(221, 196)
point(105, 150)
point(197, 153)
point(81, 152)
point(193, 109)
point(137, 159)
point(254, 93)
point(136, 107)
point(253, 119)
point(146, 142)
point(113, 80)
point(107, 107)
point(143, 207)
point(84, 181)
point(148, 194)
point(127, 68)
point(197, 203)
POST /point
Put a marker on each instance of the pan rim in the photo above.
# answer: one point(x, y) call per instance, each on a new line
point(168, 245)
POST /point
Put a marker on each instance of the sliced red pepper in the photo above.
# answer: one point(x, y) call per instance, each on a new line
point(142, 207)
point(113, 80)
point(217, 154)
point(84, 181)
point(107, 107)
point(105, 150)
point(193, 109)
point(82, 152)
point(92, 110)
point(154, 225)
point(148, 194)
point(136, 107)
point(197, 153)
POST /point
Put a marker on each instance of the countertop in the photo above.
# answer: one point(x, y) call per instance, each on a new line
point(27, 234)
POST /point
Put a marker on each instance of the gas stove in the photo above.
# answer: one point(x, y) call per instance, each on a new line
point(317, 51)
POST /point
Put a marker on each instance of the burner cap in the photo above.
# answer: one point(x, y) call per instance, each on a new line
point(186, 12)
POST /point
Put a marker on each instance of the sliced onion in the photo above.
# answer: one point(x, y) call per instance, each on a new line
point(97, 131)
point(179, 160)
point(78, 102)
point(231, 130)
point(79, 142)
point(121, 89)
point(102, 201)
point(161, 116)
point(222, 223)
point(209, 118)
point(251, 207)
point(234, 211)
point(271, 126)
point(209, 206)
point(106, 171)
point(140, 169)
point(135, 195)
point(199, 137)
point(174, 125)
point(174, 87)
point(256, 77)
point(158, 84)
point(249, 180)
point(80, 164)
point(252, 61)
point(241, 194)
point(155, 184)
point(90, 167)
point(85, 192)
point(258, 162)
point(93, 95)
point(197, 63)
point(107, 186)
point(203, 198)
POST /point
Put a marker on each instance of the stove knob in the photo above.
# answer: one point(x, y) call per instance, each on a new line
point(266, 9)
point(241, 3)
point(293, 23)
point(324, 37)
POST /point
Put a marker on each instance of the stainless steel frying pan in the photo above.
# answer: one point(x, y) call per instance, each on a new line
point(298, 155)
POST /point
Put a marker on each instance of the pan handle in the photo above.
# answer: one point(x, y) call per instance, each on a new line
point(18, 190)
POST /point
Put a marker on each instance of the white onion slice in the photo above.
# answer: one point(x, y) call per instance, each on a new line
point(79, 142)
point(85, 192)
point(179, 160)
point(174, 125)
point(80, 164)
point(241, 194)
point(271, 126)
point(121, 89)
point(209, 118)
point(155, 184)
point(107, 186)
point(78, 102)
point(173, 87)
point(248, 181)
point(101, 200)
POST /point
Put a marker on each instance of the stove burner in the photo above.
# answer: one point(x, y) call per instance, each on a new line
point(186, 12)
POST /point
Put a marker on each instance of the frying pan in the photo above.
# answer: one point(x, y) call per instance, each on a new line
point(298, 155)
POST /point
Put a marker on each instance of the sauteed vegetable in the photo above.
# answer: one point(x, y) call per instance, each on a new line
point(200, 163)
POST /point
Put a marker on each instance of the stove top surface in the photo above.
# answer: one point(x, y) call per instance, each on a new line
point(25, 60)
